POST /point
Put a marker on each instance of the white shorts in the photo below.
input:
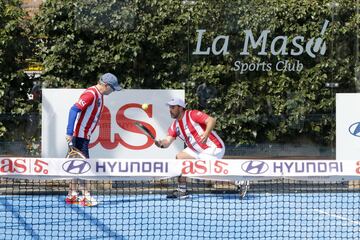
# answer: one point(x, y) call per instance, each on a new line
point(207, 154)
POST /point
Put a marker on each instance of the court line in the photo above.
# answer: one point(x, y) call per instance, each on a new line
point(337, 216)
point(99, 224)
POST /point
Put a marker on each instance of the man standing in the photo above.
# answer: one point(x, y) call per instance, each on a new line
point(83, 117)
point(195, 128)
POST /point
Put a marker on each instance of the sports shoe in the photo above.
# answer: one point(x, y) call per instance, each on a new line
point(242, 187)
point(72, 199)
point(88, 201)
point(180, 194)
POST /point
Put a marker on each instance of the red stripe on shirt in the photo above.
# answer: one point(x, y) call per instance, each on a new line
point(193, 131)
point(101, 109)
point(212, 137)
point(93, 113)
point(215, 140)
point(172, 130)
point(181, 125)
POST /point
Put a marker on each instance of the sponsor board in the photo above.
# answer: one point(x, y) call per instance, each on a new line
point(221, 169)
point(116, 135)
point(347, 126)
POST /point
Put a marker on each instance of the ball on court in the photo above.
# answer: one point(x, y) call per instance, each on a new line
point(145, 106)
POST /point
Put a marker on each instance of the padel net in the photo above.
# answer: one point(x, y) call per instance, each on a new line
point(287, 199)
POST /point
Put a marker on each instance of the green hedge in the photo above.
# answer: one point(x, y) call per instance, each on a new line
point(150, 44)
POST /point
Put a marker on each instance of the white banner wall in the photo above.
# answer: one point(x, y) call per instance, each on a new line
point(147, 169)
point(347, 126)
point(116, 135)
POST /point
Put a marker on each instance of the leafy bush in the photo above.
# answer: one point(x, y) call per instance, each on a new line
point(150, 44)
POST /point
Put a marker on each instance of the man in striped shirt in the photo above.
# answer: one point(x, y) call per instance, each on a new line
point(195, 128)
point(84, 115)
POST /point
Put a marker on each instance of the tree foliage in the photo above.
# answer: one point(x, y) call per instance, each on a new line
point(150, 44)
point(15, 47)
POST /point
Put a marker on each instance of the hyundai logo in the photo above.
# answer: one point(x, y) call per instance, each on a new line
point(255, 167)
point(76, 166)
point(354, 129)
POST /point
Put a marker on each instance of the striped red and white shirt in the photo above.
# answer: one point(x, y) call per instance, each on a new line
point(191, 127)
point(90, 103)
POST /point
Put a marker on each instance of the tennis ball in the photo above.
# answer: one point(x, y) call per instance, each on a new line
point(145, 106)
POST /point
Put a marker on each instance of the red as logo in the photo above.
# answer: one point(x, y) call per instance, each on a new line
point(109, 140)
point(8, 165)
point(194, 167)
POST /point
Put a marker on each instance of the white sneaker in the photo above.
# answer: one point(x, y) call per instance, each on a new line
point(88, 201)
point(178, 194)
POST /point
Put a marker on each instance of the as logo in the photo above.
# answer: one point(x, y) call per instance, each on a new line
point(255, 167)
point(76, 166)
point(194, 167)
point(8, 165)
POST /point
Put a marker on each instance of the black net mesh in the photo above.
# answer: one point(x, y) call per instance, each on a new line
point(271, 209)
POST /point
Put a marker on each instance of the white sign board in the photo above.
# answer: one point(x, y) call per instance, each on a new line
point(116, 135)
point(347, 126)
point(151, 169)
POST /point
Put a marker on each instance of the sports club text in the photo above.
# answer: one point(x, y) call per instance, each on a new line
point(280, 45)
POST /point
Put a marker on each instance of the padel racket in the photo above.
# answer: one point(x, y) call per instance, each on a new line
point(73, 152)
point(145, 130)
